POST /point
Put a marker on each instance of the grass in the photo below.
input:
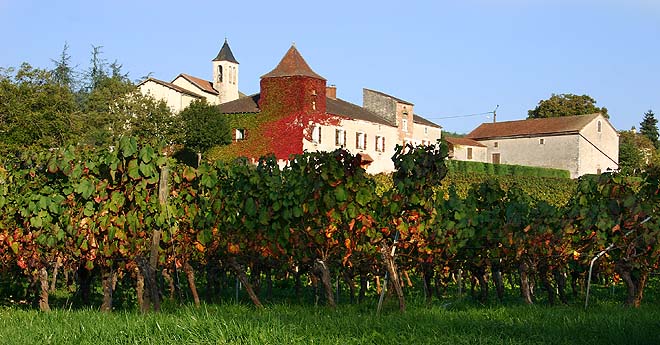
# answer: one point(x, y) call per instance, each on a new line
point(461, 322)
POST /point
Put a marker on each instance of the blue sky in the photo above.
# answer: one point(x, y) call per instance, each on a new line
point(449, 58)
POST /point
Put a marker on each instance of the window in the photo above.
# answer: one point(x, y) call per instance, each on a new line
point(380, 143)
point(469, 153)
point(541, 141)
point(340, 137)
point(496, 158)
point(404, 124)
point(313, 105)
point(239, 134)
point(316, 134)
point(220, 74)
point(360, 141)
point(496, 144)
point(600, 126)
point(426, 130)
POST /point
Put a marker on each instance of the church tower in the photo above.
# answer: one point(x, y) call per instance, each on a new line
point(225, 75)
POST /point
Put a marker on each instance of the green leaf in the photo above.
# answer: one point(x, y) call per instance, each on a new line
point(128, 146)
point(204, 236)
point(250, 207)
point(147, 170)
point(85, 188)
point(133, 169)
point(340, 193)
point(147, 154)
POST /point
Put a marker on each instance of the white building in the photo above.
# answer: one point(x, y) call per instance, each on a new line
point(585, 144)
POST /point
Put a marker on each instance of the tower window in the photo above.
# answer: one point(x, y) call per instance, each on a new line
point(316, 134)
point(240, 134)
point(220, 74)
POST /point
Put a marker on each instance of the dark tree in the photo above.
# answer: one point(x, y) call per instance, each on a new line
point(566, 105)
point(204, 127)
point(649, 127)
point(63, 73)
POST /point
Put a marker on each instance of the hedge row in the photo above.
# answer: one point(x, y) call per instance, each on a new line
point(504, 169)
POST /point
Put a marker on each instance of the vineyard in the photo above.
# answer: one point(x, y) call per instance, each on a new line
point(133, 214)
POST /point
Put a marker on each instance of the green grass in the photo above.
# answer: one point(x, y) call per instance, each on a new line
point(459, 323)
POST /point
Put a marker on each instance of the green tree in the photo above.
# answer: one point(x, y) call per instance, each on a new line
point(566, 105)
point(636, 152)
point(204, 127)
point(35, 110)
point(63, 73)
point(649, 127)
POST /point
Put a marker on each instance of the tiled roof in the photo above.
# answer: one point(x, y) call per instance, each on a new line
point(342, 108)
point(337, 107)
point(423, 121)
point(292, 64)
point(532, 127)
point(389, 96)
point(463, 142)
point(225, 54)
point(248, 104)
point(172, 86)
point(202, 84)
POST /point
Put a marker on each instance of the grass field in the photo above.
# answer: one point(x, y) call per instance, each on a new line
point(461, 322)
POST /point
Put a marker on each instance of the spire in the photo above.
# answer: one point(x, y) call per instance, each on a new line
point(225, 54)
point(292, 64)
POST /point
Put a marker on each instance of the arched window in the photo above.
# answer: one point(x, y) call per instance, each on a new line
point(220, 73)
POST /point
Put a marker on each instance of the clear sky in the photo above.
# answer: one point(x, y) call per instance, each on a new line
point(449, 58)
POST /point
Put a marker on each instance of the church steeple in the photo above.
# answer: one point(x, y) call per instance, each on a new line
point(225, 54)
point(225, 74)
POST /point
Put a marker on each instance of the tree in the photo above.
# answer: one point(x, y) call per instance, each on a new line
point(63, 73)
point(204, 127)
point(566, 104)
point(636, 152)
point(35, 110)
point(649, 128)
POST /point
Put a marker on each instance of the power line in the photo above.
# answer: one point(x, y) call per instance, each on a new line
point(466, 115)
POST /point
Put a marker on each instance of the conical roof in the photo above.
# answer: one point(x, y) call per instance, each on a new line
point(292, 64)
point(225, 54)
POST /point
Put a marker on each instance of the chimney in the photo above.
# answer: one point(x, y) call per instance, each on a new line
point(331, 91)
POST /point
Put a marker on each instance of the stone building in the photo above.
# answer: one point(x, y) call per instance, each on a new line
point(585, 144)
point(372, 130)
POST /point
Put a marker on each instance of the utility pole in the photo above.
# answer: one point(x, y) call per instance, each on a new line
point(495, 114)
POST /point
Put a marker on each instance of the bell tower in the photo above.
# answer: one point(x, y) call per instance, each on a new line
point(225, 74)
